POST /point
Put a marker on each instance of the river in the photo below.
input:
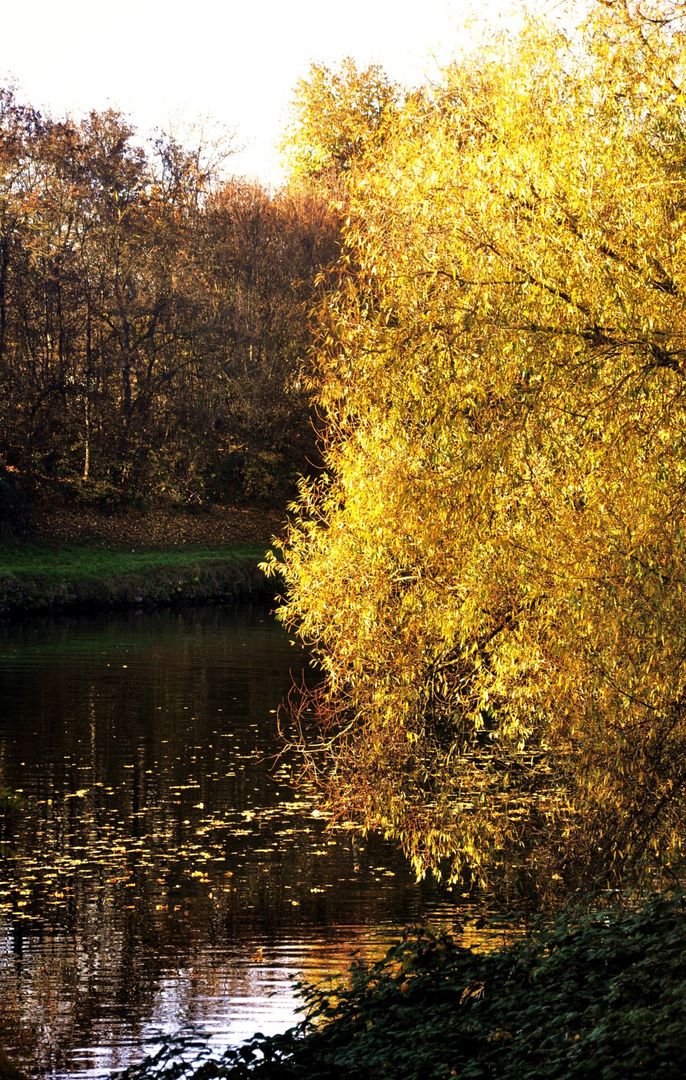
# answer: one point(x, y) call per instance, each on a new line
point(166, 875)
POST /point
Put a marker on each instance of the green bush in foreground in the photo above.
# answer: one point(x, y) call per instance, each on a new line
point(598, 996)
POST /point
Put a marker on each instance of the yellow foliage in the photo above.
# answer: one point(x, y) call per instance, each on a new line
point(337, 116)
point(492, 571)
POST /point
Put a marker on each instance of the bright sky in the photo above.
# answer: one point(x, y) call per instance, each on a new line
point(169, 62)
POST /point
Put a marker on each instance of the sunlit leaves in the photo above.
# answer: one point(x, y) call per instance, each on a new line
point(336, 117)
point(492, 570)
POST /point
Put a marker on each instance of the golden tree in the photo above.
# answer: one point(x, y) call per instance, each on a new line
point(492, 569)
point(337, 117)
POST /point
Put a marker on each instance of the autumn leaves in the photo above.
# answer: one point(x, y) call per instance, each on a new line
point(492, 568)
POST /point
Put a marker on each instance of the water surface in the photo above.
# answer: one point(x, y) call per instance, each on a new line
point(166, 874)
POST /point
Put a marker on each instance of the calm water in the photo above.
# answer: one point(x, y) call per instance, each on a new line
point(166, 875)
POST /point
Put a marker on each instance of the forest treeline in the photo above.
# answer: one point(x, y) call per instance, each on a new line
point(491, 570)
point(153, 317)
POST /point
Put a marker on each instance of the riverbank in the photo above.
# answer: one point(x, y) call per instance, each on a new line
point(85, 557)
point(596, 996)
point(41, 576)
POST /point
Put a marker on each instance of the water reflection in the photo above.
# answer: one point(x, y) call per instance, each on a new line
point(165, 873)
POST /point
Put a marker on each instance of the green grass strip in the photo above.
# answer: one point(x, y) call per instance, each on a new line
point(35, 576)
point(80, 562)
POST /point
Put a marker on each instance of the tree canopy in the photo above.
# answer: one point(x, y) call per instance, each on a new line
point(153, 316)
point(492, 567)
point(337, 117)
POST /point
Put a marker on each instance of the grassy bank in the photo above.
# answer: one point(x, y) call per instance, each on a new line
point(40, 576)
point(599, 997)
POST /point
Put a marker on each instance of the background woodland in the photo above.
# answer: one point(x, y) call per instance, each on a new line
point(153, 318)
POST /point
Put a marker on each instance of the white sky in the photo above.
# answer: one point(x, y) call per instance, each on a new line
point(232, 61)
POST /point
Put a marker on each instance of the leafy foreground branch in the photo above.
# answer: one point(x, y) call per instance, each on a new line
point(600, 995)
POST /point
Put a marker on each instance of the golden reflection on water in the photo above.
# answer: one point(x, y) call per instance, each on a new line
point(166, 874)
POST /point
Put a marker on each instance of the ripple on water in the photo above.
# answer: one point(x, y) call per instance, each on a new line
point(166, 874)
